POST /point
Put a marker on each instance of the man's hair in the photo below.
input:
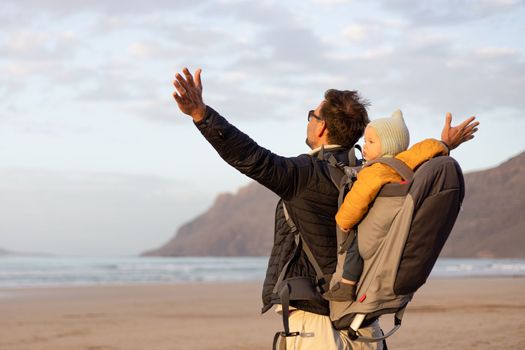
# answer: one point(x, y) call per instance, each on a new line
point(345, 115)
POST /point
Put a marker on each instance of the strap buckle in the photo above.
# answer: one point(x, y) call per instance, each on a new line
point(289, 334)
point(352, 334)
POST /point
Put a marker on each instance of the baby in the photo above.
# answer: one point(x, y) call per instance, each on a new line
point(386, 137)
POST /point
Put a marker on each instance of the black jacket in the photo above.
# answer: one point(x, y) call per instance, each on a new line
point(303, 183)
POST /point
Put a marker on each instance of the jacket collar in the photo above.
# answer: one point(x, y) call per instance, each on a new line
point(314, 152)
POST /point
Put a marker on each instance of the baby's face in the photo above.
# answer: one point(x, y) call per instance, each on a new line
point(372, 147)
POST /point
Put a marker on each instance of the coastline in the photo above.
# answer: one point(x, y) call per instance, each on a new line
point(447, 313)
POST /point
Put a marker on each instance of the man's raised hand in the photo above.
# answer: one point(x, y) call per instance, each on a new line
point(188, 94)
point(454, 136)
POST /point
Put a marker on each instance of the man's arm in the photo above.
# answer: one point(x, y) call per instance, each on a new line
point(278, 174)
point(453, 136)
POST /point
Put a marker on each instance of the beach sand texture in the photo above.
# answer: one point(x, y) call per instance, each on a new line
point(474, 313)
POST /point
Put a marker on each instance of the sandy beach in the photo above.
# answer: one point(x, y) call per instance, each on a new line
point(474, 313)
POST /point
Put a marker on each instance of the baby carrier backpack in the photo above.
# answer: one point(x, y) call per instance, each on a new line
point(399, 240)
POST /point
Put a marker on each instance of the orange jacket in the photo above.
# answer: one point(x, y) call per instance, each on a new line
point(371, 178)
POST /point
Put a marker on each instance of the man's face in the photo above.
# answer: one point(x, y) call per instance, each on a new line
point(372, 147)
point(315, 124)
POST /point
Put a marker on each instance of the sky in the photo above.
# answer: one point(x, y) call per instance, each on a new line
point(96, 159)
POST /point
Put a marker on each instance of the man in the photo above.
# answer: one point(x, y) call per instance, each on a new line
point(303, 183)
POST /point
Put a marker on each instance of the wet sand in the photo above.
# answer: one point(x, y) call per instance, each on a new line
point(474, 313)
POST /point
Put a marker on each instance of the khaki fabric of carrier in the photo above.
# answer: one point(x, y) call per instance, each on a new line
point(381, 253)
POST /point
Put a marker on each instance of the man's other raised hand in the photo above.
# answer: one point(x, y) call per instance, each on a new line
point(453, 136)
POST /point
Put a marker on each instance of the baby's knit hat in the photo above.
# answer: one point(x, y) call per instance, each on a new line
point(393, 134)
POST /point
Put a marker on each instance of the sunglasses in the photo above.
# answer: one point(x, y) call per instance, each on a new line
point(311, 114)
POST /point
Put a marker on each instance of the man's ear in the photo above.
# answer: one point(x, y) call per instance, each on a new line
point(321, 129)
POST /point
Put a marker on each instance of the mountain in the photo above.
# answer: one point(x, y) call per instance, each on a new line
point(5, 252)
point(491, 223)
point(236, 225)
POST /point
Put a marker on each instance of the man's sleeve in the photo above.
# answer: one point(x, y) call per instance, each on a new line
point(278, 174)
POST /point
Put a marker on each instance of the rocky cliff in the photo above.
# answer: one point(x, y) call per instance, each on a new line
point(491, 223)
point(235, 225)
point(5, 252)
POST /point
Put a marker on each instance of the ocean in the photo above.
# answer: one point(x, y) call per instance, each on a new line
point(17, 272)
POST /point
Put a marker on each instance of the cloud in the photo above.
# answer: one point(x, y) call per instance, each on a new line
point(113, 83)
point(435, 75)
point(395, 63)
point(9, 87)
point(66, 8)
point(497, 53)
point(132, 81)
point(37, 60)
point(356, 32)
point(331, 2)
point(307, 48)
point(30, 45)
point(260, 13)
point(25, 43)
point(434, 12)
point(262, 57)
point(161, 109)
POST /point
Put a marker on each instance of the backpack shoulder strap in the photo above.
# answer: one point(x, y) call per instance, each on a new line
point(306, 248)
point(342, 174)
point(300, 244)
point(283, 290)
point(341, 171)
point(398, 165)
